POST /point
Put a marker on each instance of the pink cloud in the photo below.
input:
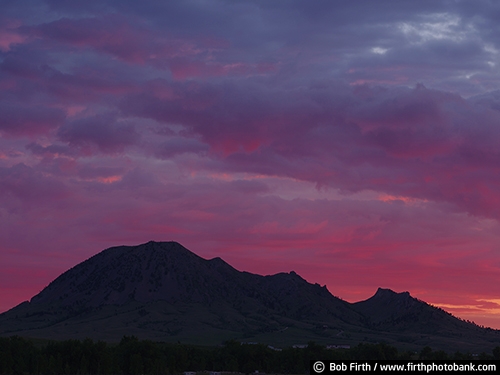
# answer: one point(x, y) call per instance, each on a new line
point(405, 148)
point(9, 34)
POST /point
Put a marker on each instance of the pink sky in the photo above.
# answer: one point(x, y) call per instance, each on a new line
point(355, 144)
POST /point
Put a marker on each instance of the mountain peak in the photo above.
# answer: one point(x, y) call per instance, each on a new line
point(389, 310)
point(150, 271)
point(389, 293)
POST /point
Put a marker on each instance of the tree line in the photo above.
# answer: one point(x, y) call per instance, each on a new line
point(133, 356)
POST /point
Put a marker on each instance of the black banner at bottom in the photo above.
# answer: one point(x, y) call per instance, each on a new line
point(395, 366)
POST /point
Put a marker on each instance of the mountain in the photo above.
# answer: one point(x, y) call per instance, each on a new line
point(417, 321)
point(388, 310)
point(162, 291)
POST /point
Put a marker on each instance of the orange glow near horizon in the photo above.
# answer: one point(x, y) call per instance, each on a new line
point(407, 200)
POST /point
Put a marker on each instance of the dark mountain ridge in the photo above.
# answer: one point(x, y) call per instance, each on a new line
point(388, 310)
point(169, 272)
point(162, 291)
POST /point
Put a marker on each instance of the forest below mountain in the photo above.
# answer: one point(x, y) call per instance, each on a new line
point(133, 356)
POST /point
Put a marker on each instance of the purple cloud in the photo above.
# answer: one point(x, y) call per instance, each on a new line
point(24, 120)
point(103, 131)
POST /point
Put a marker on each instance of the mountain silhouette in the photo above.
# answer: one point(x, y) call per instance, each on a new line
point(388, 310)
point(162, 291)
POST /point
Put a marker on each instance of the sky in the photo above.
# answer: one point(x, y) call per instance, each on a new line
point(354, 142)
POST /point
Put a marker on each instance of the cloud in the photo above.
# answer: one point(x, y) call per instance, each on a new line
point(179, 145)
point(26, 120)
point(134, 42)
point(9, 35)
point(101, 131)
point(29, 186)
point(399, 141)
point(111, 35)
point(50, 151)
